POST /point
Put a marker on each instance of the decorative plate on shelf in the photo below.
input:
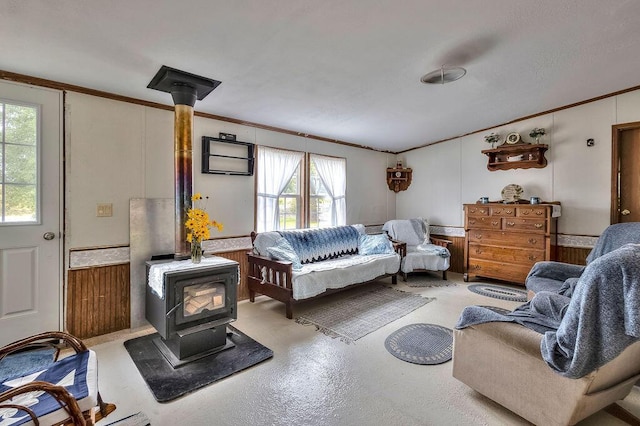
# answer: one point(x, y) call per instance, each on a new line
point(511, 193)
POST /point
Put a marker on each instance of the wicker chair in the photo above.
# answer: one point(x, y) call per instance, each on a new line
point(56, 391)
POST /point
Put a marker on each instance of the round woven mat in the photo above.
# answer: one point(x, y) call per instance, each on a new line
point(425, 344)
point(499, 292)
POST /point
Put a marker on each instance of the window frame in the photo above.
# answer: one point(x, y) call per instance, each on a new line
point(304, 186)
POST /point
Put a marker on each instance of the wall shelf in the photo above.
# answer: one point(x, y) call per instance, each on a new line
point(532, 156)
point(227, 157)
point(398, 179)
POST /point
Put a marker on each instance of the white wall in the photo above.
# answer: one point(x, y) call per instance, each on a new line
point(116, 151)
point(449, 174)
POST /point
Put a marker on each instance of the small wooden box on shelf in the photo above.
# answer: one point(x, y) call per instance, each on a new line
point(516, 156)
point(398, 178)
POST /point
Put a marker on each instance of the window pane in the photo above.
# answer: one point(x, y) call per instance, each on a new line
point(20, 164)
point(20, 203)
point(288, 212)
point(1, 122)
point(20, 124)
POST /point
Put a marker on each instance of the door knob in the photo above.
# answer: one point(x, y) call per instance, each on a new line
point(625, 212)
point(49, 236)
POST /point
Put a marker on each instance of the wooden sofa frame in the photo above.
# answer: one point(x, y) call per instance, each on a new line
point(279, 273)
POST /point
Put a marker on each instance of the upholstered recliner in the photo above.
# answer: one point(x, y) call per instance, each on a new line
point(587, 359)
point(551, 276)
point(424, 253)
point(38, 388)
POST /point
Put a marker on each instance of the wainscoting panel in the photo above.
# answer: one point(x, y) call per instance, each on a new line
point(457, 252)
point(575, 255)
point(239, 256)
point(98, 300)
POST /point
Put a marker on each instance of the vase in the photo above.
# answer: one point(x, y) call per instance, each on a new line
point(196, 251)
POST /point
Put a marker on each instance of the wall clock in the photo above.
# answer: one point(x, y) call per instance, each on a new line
point(512, 138)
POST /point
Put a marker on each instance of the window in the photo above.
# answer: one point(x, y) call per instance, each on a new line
point(298, 190)
point(18, 163)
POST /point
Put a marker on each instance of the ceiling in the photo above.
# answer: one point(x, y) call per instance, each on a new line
point(344, 70)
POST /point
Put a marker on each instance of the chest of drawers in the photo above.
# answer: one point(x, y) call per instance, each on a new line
point(503, 241)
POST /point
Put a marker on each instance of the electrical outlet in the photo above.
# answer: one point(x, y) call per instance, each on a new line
point(104, 210)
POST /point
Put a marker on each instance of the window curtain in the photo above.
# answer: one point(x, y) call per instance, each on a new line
point(333, 173)
point(275, 169)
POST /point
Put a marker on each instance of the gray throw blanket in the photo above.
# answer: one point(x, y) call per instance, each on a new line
point(615, 236)
point(595, 325)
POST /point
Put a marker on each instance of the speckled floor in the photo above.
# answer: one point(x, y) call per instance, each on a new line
point(315, 380)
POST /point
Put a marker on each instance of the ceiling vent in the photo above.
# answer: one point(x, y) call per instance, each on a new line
point(443, 75)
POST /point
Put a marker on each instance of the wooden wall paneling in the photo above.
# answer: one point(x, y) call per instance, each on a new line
point(457, 252)
point(239, 256)
point(574, 255)
point(98, 300)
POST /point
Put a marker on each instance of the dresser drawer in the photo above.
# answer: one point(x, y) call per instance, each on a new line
point(503, 271)
point(502, 238)
point(477, 210)
point(502, 211)
point(540, 212)
point(522, 224)
point(506, 254)
point(484, 223)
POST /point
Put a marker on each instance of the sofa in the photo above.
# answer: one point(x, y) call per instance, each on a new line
point(296, 265)
point(559, 277)
point(556, 359)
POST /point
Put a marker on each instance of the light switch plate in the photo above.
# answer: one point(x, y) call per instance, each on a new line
point(104, 210)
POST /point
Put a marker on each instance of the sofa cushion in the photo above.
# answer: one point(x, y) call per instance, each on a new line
point(313, 245)
point(282, 250)
point(317, 277)
point(374, 244)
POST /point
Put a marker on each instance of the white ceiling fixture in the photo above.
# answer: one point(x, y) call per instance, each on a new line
point(443, 75)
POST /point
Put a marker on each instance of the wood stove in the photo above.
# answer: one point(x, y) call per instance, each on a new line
point(190, 305)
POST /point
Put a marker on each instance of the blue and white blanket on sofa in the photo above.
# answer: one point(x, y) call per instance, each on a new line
point(313, 245)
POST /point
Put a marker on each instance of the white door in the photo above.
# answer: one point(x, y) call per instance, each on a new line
point(30, 218)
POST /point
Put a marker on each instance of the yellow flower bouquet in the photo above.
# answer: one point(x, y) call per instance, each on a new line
point(198, 225)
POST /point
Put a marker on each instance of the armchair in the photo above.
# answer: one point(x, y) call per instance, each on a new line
point(47, 390)
point(553, 276)
point(565, 372)
point(423, 253)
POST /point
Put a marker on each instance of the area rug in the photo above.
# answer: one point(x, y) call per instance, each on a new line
point(138, 419)
point(167, 383)
point(427, 280)
point(499, 292)
point(363, 312)
point(424, 344)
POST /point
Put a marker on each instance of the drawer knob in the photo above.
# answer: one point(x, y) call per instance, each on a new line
point(532, 257)
point(526, 212)
point(539, 212)
point(472, 210)
point(482, 211)
point(478, 251)
point(532, 241)
point(508, 211)
point(479, 236)
point(539, 225)
point(511, 223)
point(497, 211)
point(477, 267)
point(472, 221)
point(495, 223)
